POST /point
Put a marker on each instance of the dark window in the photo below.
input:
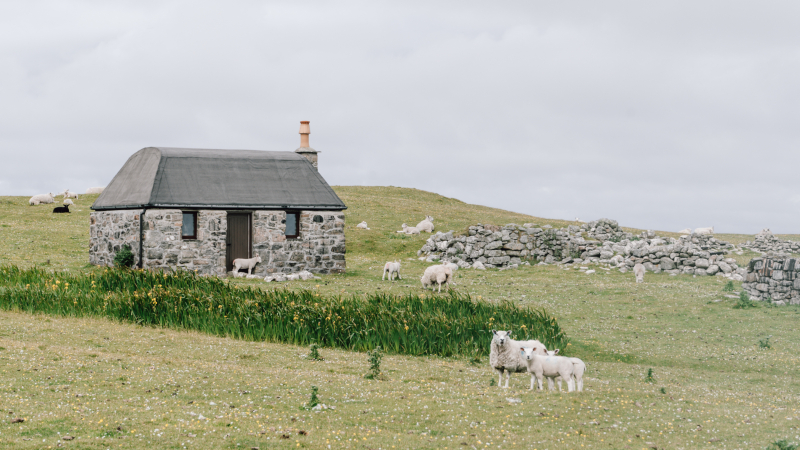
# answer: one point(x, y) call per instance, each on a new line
point(292, 225)
point(189, 226)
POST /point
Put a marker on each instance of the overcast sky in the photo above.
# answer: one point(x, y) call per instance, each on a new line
point(661, 115)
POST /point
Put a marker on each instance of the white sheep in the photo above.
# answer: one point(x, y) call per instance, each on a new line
point(451, 265)
point(426, 225)
point(41, 199)
point(638, 271)
point(579, 367)
point(68, 202)
point(504, 354)
point(392, 268)
point(302, 275)
point(478, 265)
point(408, 230)
point(764, 232)
point(685, 231)
point(706, 230)
point(436, 274)
point(68, 194)
point(540, 366)
point(242, 263)
point(95, 190)
point(363, 226)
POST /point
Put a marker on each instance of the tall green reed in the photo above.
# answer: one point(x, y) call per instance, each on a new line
point(445, 325)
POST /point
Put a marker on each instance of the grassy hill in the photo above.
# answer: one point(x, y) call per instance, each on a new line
point(723, 376)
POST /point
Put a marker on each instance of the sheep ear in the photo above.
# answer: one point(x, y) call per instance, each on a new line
point(494, 332)
point(508, 332)
point(555, 351)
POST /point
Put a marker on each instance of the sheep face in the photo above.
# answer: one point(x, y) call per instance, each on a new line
point(527, 353)
point(429, 218)
point(552, 352)
point(501, 337)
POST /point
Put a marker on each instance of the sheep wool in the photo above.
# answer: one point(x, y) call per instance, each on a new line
point(391, 268)
point(541, 366)
point(249, 264)
point(95, 190)
point(639, 270)
point(439, 274)
point(426, 225)
point(505, 354)
point(41, 199)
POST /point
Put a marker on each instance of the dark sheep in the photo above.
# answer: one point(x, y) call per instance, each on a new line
point(61, 209)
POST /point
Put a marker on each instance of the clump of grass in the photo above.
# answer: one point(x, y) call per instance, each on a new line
point(446, 325)
point(728, 286)
point(314, 400)
point(783, 444)
point(649, 378)
point(374, 357)
point(663, 390)
point(123, 258)
point(492, 382)
point(744, 301)
point(313, 352)
point(764, 344)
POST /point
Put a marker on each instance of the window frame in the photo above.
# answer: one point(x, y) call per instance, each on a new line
point(297, 224)
point(194, 219)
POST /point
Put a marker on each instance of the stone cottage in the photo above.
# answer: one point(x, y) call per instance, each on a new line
point(199, 209)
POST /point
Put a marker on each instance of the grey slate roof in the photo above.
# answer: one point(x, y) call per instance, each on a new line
point(161, 177)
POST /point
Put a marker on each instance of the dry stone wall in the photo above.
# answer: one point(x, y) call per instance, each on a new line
point(109, 231)
point(774, 280)
point(766, 242)
point(597, 242)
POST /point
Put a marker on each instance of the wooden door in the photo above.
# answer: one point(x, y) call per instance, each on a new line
point(238, 242)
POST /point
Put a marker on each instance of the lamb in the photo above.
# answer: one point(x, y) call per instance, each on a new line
point(392, 268)
point(95, 190)
point(638, 270)
point(61, 209)
point(426, 225)
point(68, 202)
point(68, 194)
point(249, 264)
point(541, 366)
point(579, 367)
point(764, 232)
point(41, 199)
point(685, 231)
point(504, 354)
point(436, 274)
point(707, 230)
point(363, 226)
point(408, 230)
point(478, 265)
point(302, 275)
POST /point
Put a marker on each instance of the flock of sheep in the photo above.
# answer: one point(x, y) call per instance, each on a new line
point(49, 198)
point(510, 356)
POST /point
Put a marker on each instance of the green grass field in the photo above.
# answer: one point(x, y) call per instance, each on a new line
point(120, 385)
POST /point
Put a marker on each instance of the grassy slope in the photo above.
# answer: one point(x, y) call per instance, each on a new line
point(721, 390)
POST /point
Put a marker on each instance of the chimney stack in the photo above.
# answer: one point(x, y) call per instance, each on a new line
point(307, 152)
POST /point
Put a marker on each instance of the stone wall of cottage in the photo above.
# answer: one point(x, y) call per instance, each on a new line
point(164, 249)
point(319, 249)
point(109, 231)
point(773, 279)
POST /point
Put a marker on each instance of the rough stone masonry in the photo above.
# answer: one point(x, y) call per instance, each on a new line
point(319, 249)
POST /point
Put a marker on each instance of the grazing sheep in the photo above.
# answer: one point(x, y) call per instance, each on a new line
point(478, 265)
point(68, 194)
point(579, 368)
point(249, 264)
point(436, 274)
point(707, 230)
point(685, 231)
point(408, 230)
point(392, 268)
point(363, 226)
point(638, 270)
point(95, 190)
point(61, 209)
point(504, 354)
point(41, 199)
point(68, 202)
point(426, 225)
point(541, 366)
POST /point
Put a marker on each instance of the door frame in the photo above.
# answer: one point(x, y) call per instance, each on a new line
point(249, 215)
